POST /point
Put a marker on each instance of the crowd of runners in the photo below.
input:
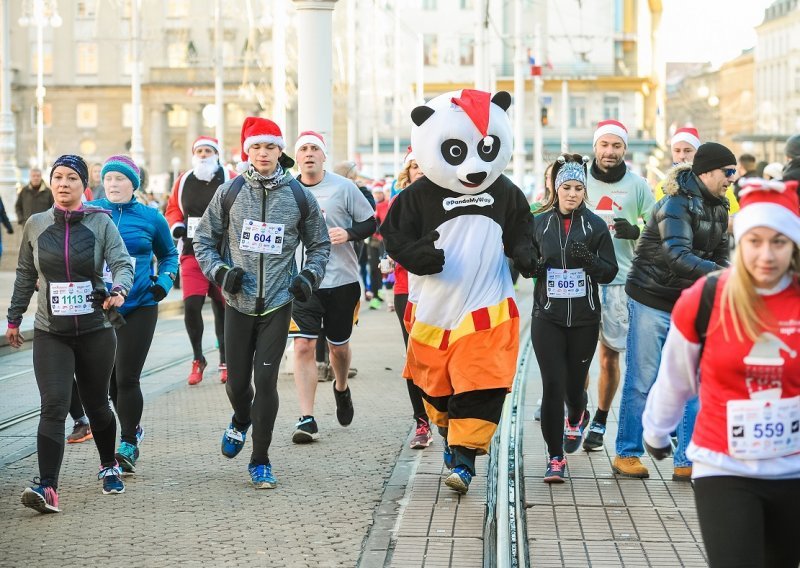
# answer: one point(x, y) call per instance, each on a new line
point(693, 281)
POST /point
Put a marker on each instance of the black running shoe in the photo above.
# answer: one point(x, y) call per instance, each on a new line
point(344, 405)
point(573, 434)
point(594, 437)
point(305, 431)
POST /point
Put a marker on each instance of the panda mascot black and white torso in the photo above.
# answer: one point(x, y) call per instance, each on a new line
point(453, 230)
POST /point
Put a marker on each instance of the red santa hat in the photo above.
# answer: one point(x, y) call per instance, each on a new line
point(206, 141)
point(688, 135)
point(257, 130)
point(311, 137)
point(611, 127)
point(768, 203)
point(476, 105)
point(409, 156)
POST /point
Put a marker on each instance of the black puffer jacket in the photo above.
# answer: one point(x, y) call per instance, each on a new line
point(553, 245)
point(686, 237)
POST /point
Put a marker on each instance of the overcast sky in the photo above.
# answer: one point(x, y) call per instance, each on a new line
point(709, 30)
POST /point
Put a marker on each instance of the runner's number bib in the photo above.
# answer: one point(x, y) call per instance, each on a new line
point(191, 226)
point(70, 298)
point(265, 238)
point(566, 282)
point(108, 278)
point(763, 429)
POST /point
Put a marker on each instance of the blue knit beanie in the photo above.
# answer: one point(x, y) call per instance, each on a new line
point(125, 166)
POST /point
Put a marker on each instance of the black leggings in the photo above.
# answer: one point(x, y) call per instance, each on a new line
point(374, 259)
point(193, 319)
point(75, 404)
point(414, 392)
point(133, 344)
point(749, 522)
point(56, 360)
point(258, 345)
point(564, 355)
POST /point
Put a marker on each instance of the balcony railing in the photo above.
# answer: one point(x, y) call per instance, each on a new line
point(573, 70)
point(194, 75)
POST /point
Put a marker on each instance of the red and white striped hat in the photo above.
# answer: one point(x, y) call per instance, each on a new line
point(206, 141)
point(768, 203)
point(611, 127)
point(686, 134)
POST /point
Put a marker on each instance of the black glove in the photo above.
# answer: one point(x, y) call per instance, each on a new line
point(427, 259)
point(179, 232)
point(541, 269)
point(99, 296)
point(658, 453)
point(303, 286)
point(581, 253)
point(624, 230)
point(524, 261)
point(158, 292)
point(10, 230)
point(230, 279)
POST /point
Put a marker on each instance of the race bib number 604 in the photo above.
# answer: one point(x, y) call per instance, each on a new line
point(264, 238)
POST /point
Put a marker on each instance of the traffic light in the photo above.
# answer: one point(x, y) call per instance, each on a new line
point(544, 116)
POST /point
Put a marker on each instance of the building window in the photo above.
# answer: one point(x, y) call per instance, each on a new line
point(127, 111)
point(86, 8)
point(466, 50)
point(87, 58)
point(610, 107)
point(47, 116)
point(577, 112)
point(431, 47)
point(428, 4)
point(467, 4)
point(177, 117)
point(86, 115)
point(127, 67)
point(177, 54)
point(47, 55)
point(177, 8)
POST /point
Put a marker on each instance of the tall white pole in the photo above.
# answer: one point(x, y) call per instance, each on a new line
point(420, 69)
point(538, 146)
point(375, 104)
point(279, 102)
point(480, 51)
point(315, 73)
point(137, 149)
point(564, 115)
point(219, 83)
point(519, 97)
point(38, 14)
point(8, 142)
point(352, 88)
point(396, 95)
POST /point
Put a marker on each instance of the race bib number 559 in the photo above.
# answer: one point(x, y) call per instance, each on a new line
point(762, 429)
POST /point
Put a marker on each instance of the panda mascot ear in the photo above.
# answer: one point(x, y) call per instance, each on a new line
point(420, 114)
point(502, 99)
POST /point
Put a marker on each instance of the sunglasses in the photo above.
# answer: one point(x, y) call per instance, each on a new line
point(729, 171)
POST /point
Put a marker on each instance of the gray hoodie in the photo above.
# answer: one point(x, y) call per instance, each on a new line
point(267, 276)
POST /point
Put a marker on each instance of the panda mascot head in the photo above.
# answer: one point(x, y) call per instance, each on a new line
point(462, 140)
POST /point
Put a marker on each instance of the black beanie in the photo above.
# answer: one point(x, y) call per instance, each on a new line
point(793, 146)
point(711, 156)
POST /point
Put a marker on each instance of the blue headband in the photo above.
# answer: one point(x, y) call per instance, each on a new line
point(75, 163)
point(570, 171)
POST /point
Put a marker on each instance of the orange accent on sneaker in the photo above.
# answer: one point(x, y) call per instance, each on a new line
point(223, 373)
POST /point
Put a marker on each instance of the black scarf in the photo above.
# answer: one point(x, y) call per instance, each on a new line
point(613, 175)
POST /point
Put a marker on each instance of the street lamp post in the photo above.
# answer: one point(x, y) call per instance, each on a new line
point(43, 14)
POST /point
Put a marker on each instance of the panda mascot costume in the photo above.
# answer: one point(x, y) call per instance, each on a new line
point(452, 230)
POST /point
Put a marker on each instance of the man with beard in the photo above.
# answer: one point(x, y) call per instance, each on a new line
point(190, 197)
point(621, 198)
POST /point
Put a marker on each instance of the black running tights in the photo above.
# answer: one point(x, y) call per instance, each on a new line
point(749, 522)
point(56, 360)
point(564, 355)
point(193, 319)
point(258, 343)
point(414, 392)
point(133, 344)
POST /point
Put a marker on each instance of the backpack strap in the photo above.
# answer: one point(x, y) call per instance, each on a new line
point(707, 297)
point(302, 202)
point(227, 203)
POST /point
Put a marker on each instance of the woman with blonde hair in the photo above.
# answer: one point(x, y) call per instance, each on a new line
point(740, 330)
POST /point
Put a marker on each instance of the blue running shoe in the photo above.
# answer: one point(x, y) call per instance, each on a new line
point(112, 479)
point(594, 438)
point(233, 441)
point(42, 498)
point(139, 435)
point(448, 455)
point(460, 479)
point(126, 455)
point(261, 476)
